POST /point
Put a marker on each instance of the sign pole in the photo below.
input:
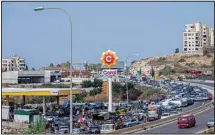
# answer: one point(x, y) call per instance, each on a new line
point(110, 94)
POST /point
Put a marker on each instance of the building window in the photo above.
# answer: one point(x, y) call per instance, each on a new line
point(204, 39)
point(197, 45)
point(185, 41)
point(191, 26)
point(185, 49)
point(189, 49)
point(197, 49)
point(185, 34)
point(204, 36)
point(185, 45)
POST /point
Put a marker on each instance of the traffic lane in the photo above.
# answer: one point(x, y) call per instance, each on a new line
point(201, 120)
point(196, 104)
point(202, 83)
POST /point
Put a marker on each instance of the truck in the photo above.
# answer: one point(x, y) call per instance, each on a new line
point(154, 112)
point(152, 115)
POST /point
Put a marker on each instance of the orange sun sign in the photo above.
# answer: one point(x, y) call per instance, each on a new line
point(109, 58)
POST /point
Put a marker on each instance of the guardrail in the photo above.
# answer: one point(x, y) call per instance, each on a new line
point(207, 131)
point(159, 122)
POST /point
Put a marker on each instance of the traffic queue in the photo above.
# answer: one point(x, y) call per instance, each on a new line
point(93, 118)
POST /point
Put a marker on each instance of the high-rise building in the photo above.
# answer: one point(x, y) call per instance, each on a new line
point(15, 63)
point(196, 36)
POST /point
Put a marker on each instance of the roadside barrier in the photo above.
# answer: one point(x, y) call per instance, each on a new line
point(207, 131)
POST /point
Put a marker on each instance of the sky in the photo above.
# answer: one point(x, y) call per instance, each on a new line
point(147, 28)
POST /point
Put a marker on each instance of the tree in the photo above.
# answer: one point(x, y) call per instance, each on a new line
point(67, 64)
point(133, 62)
point(33, 69)
point(97, 83)
point(26, 67)
point(51, 65)
point(86, 84)
point(152, 72)
point(177, 50)
point(58, 65)
point(86, 66)
point(95, 91)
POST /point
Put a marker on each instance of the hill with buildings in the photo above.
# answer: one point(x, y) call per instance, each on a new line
point(177, 64)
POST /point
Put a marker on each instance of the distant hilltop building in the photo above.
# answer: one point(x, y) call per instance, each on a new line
point(15, 63)
point(197, 36)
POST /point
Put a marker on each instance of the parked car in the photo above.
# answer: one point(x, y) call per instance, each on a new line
point(210, 123)
point(94, 130)
point(186, 121)
point(79, 131)
point(130, 122)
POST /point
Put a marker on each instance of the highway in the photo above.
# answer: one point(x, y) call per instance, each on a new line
point(201, 120)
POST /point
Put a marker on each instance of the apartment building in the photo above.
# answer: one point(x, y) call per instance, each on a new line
point(196, 36)
point(15, 63)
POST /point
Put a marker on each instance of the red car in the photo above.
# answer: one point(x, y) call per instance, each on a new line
point(209, 96)
point(187, 120)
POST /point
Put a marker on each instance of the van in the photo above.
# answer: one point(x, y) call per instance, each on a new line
point(186, 121)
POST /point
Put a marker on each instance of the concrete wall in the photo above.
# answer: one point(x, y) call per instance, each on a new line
point(31, 73)
point(10, 77)
point(47, 76)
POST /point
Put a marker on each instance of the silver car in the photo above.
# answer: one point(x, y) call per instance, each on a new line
point(210, 123)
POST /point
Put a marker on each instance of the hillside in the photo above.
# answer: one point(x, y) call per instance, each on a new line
point(175, 64)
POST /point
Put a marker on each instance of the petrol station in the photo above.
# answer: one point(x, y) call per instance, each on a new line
point(43, 92)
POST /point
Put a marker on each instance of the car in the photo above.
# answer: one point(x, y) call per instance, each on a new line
point(130, 122)
point(187, 120)
point(94, 130)
point(79, 131)
point(210, 123)
point(165, 114)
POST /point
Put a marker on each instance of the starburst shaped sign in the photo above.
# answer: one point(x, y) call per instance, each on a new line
point(109, 58)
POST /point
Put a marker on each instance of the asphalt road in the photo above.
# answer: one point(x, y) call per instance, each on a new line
point(201, 120)
point(203, 83)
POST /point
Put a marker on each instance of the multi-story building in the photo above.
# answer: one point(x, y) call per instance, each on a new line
point(196, 36)
point(15, 63)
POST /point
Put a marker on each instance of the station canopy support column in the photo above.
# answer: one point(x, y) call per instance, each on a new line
point(58, 100)
point(7, 100)
point(44, 105)
point(23, 100)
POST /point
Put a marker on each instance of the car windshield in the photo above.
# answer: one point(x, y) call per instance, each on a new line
point(107, 127)
point(128, 121)
point(182, 119)
point(76, 130)
point(165, 114)
point(212, 120)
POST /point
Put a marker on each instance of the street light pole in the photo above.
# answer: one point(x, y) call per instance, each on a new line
point(126, 74)
point(70, 20)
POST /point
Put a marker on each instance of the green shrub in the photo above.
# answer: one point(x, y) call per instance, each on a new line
point(36, 127)
point(182, 60)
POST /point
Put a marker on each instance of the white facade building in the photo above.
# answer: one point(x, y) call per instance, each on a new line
point(196, 36)
point(13, 64)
